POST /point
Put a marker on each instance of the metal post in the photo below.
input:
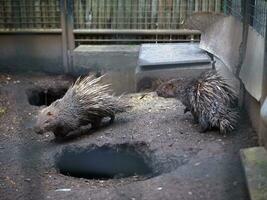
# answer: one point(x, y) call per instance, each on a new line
point(242, 49)
point(66, 7)
point(264, 82)
point(263, 128)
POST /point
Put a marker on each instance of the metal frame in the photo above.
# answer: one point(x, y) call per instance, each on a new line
point(68, 44)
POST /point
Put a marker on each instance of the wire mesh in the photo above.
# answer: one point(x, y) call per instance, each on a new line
point(257, 11)
point(122, 14)
point(138, 14)
point(29, 14)
point(259, 15)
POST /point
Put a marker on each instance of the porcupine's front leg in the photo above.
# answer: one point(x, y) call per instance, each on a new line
point(96, 123)
point(186, 110)
point(204, 125)
point(195, 116)
point(112, 117)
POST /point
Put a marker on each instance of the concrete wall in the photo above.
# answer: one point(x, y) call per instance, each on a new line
point(119, 61)
point(252, 68)
point(38, 52)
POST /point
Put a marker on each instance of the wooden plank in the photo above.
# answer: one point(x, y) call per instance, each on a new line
point(101, 15)
point(205, 5)
point(105, 21)
point(94, 13)
point(190, 7)
point(134, 14)
point(145, 9)
point(8, 14)
point(82, 12)
point(168, 11)
point(176, 14)
point(15, 15)
point(88, 14)
point(108, 13)
point(114, 12)
point(196, 9)
point(139, 14)
point(183, 8)
point(218, 6)
point(2, 25)
point(50, 14)
point(54, 9)
point(164, 15)
point(22, 13)
point(154, 14)
point(120, 14)
point(37, 12)
point(128, 13)
point(58, 25)
point(76, 14)
point(160, 13)
point(111, 16)
point(211, 5)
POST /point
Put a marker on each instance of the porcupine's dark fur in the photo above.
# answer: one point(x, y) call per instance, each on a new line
point(212, 102)
point(87, 101)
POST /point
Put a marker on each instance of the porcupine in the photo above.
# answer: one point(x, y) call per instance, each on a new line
point(86, 102)
point(212, 102)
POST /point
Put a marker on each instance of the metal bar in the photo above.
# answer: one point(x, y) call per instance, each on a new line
point(137, 31)
point(37, 31)
point(106, 31)
point(70, 34)
point(64, 35)
point(68, 43)
point(69, 18)
point(135, 40)
point(264, 82)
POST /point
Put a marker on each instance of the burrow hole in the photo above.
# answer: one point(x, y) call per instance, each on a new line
point(40, 97)
point(105, 162)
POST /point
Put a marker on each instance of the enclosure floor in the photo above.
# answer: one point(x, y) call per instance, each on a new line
point(193, 165)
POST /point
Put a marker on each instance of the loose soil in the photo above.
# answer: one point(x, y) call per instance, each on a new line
point(189, 165)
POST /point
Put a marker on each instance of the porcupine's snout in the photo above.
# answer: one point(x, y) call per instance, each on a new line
point(37, 129)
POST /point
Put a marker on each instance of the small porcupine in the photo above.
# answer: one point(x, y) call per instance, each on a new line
point(212, 102)
point(87, 101)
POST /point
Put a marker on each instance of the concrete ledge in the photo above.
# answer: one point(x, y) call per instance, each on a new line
point(254, 161)
point(119, 61)
point(166, 61)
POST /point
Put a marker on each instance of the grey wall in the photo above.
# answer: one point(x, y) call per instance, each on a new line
point(39, 52)
point(252, 68)
point(118, 61)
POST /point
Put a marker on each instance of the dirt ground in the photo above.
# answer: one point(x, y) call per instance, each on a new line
point(190, 165)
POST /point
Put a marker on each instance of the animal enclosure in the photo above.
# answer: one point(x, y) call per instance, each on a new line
point(103, 14)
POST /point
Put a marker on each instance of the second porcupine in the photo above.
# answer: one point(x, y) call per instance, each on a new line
point(212, 102)
point(87, 101)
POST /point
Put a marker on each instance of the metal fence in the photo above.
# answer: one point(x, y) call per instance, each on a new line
point(103, 20)
point(257, 12)
point(103, 14)
point(29, 14)
point(138, 14)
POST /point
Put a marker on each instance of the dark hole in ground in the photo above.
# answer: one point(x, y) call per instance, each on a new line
point(104, 162)
point(40, 97)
